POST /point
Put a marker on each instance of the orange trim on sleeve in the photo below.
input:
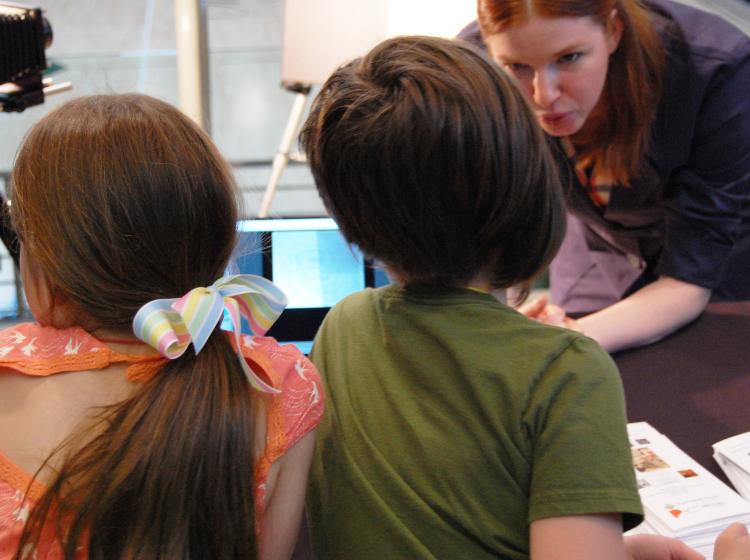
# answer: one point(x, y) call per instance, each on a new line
point(20, 480)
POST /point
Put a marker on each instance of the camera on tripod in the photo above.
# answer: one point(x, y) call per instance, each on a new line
point(24, 35)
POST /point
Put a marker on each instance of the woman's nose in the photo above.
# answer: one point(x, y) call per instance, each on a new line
point(546, 88)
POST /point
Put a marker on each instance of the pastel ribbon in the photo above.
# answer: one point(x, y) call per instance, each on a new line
point(170, 325)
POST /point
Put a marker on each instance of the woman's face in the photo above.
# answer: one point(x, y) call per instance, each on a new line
point(561, 64)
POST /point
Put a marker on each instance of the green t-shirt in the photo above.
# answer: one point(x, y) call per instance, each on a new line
point(452, 422)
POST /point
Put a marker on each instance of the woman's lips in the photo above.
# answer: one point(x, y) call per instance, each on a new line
point(555, 118)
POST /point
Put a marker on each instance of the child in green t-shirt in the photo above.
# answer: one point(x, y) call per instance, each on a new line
point(456, 427)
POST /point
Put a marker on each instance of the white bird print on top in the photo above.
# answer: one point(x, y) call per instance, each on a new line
point(29, 552)
point(16, 337)
point(314, 394)
point(21, 514)
point(70, 348)
point(300, 369)
point(4, 351)
point(30, 348)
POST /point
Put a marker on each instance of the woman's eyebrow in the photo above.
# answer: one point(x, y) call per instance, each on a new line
point(572, 47)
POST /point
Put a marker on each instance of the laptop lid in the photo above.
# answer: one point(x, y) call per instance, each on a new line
point(312, 264)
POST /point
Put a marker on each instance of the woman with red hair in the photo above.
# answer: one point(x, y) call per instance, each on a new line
point(648, 103)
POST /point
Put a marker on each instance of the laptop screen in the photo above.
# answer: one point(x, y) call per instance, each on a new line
point(309, 260)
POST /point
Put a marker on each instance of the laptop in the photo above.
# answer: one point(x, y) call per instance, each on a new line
point(312, 264)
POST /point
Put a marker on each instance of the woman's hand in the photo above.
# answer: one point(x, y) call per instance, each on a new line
point(533, 308)
point(733, 543)
point(541, 310)
point(656, 547)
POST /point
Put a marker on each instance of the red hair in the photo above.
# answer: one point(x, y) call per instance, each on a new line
point(616, 135)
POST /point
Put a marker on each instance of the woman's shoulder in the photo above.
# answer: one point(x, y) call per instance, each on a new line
point(472, 34)
point(706, 79)
point(706, 37)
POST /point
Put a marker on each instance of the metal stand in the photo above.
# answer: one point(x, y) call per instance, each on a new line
point(283, 156)
point(192, 60)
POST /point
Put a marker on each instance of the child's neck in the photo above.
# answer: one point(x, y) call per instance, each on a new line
point(497, 293)
point(479, 283)
point(121, 341)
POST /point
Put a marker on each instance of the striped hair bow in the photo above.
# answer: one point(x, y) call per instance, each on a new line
point(170, 325)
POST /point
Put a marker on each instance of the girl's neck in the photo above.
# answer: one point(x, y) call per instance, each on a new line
point(121, 341)
point(118, 336)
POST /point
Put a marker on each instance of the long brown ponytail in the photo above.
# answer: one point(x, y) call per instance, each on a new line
point(121, 200)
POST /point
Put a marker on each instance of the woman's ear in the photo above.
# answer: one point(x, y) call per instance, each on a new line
point(615, 28)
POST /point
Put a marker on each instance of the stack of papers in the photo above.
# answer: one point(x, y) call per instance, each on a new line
point(733, 456)
point(681, 498)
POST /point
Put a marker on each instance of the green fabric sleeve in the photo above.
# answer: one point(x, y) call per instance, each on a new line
point(577, 425)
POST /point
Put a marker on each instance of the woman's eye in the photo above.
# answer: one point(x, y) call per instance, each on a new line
point(570, 57)
point(516, 66)
point(521, 71)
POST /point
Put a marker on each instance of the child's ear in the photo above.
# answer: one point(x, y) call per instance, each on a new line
point(46, 302)
point(35, 286)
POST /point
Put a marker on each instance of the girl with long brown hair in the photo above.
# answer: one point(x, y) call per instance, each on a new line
point(131, 426)
point(648, 102)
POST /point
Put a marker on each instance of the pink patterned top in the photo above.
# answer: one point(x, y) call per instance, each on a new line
point(41, 351)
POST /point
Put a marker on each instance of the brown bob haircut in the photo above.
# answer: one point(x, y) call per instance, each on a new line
point(430, 160)
point(120, 200)
point(617, 133)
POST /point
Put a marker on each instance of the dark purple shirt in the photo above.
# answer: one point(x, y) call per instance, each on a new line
point(688, 216)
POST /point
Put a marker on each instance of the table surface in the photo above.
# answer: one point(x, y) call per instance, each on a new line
point(694, 386)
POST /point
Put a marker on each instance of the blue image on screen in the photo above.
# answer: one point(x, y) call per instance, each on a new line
point(246, 259)
point(315, 268)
